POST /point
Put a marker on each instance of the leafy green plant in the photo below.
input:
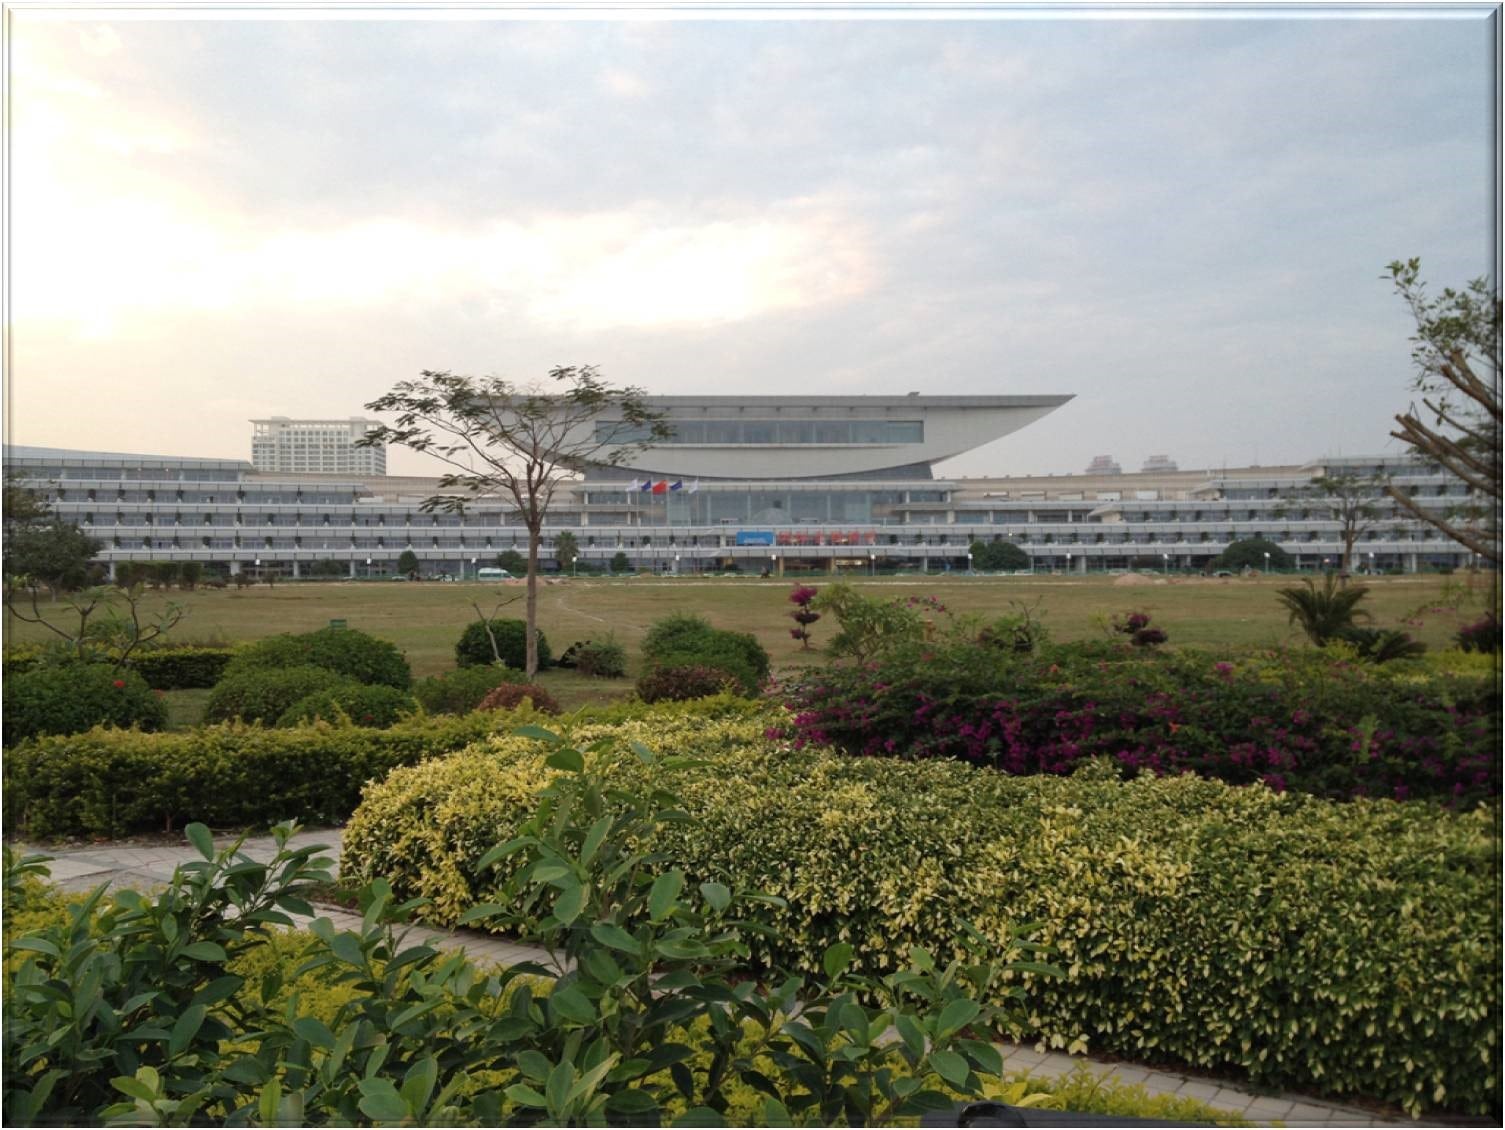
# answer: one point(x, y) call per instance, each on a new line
point(1381, 645)
point(1326, 611)
point(175, 668)
point(461, 690)
point(73, 697)
point(263, 694)
point(601, 659)
point(685, 681)
point(353, 704)
point(486, 641)
point(345, 651)
point(869, 626)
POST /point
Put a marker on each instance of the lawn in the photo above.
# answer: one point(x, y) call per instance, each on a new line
point(426, 619)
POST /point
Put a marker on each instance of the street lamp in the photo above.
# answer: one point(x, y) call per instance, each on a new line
point(1167, 569)
point(774, 568)
point(368, 568)
point(676, 564)
point(258, 568)
point(969, 563)
point(872, 564)
point(1267, 561)
point(1371, 562)
point(475, 574)
point(1068, 562)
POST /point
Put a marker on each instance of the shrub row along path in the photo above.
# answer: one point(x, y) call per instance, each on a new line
point(144, 865)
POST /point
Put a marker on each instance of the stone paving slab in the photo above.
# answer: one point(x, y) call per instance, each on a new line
point(150, 865)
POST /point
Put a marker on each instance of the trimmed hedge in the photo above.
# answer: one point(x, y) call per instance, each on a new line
point(264, 694)
point(118, 782)
point(509, 696)
point(474, 646)
point(74, 697)
point(178, 668)
point(353, 654)
point(1350, 947)
point(678, 684)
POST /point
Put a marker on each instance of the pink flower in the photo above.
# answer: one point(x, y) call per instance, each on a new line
point(120, 682)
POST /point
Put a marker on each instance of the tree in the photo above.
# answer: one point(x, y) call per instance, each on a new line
point(566, 549)
point(512, 561)
point(1251, 553)
point(407, 563)
point(620, 563)
point(1350, 500)
point(40, 547)
point(520, 442)
point(1457, 356)
point(995, 556)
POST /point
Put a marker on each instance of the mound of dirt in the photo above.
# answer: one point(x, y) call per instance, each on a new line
point(1133, 579)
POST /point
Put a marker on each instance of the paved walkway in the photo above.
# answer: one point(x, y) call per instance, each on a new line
point(143, 866)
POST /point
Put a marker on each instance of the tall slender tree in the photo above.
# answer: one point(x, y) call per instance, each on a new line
point(1456, 351)
point(518, 443)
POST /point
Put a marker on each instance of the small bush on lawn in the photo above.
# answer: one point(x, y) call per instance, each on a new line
point(1349, 947)
point(600, 659)
point(474, 647)
point(674, 684)
point(509, 696)
point(682, 634)
point(264, 694)
point(180, 668)
point(359, 705)
point(74, 697)
point(353, 654)
point(461, 690)
point(1483, 635)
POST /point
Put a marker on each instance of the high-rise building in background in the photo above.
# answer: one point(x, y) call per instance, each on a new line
point(1156, 464)
point(1103, 465)
point(316, 446)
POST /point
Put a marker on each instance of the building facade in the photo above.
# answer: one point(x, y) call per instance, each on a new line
point(754, 484)
point(315, 446)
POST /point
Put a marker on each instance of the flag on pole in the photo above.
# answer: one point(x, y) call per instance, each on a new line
point(695, 486)
point(661, 487)
point(646, 486)
point(633, 487)
point(677, 485)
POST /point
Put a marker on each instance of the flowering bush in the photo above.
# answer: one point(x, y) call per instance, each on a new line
point(1310, 722)
point(509, 696)
point(74, 697)
point(1136, 625)
point(1483, 635)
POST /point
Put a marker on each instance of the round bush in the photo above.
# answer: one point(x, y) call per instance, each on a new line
point(264, 695)
point(356, 655)
point(74, 697)
point(509, 696)
point(694, 680)
point(461, 691)
point(474, 648)
point(600, 659)
point(377, 707)
point(681, 631)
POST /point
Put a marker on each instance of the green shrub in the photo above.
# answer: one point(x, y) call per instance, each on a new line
point(73, 697)
point(461, 690)
point(1349, 947)
point(353, 654)
point(679, 631)
point(509, 696)
point(117, 783)
point(601, 659)
point(263, 694)
point(684, 637)
point(177, 668)
point(358, 704)
point(681, 683)
point(474, 647)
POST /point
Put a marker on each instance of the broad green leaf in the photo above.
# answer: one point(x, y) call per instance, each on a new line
point(957, 1015)
point(315, 1031)
point(776, 1113)
point(524, 1095)
point(568, 760)
point(631, 1103)
point(910, 1033)
point(199, 837)
point(205, 951)
point(951, 1067)
point(130, 1085)
point(380, 1101)
point(836, 959)
point(665, 891)
point(418, 1085)
point(610, 934)
point(536, 732)
point(557, 1088)
point(699, 1116)
point(572, 1004)
point(185, 1029)
point(594, 838)
point(480, 911)
point(988, 1058)
point(570, 902)
point(494, 855)
point(534, 1065)
point(267, 1102)
point(221, 988)
point(717, 895)
point(645, 755)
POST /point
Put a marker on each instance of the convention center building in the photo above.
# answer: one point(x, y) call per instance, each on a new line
point(753, 484)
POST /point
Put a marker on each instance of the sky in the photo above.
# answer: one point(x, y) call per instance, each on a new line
point(1182, 219)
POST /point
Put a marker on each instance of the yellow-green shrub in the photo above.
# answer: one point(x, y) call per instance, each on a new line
point(1349, 947)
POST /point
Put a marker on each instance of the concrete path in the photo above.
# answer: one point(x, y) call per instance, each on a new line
point(144, 866)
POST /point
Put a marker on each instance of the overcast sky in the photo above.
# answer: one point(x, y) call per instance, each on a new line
point(1182, 221)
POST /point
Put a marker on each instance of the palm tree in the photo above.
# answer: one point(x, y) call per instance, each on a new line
point(1324, 612)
